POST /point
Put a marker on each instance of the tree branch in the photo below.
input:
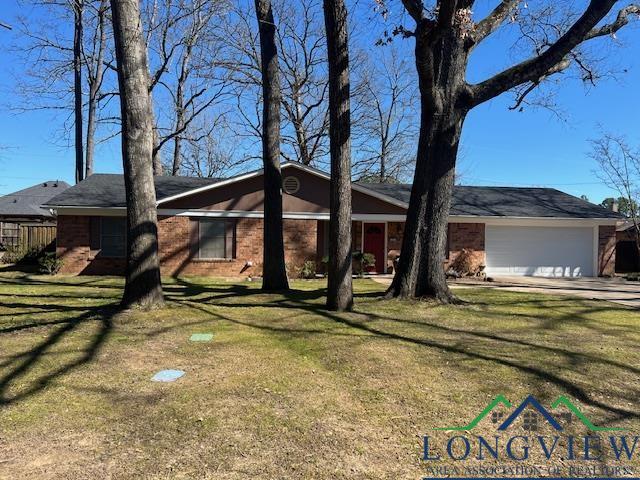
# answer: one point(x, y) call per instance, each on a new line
point(491, 22)
point(621, 20)
point(415, 8)
point(533, 69)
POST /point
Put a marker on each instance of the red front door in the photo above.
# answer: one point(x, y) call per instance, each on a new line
point(374, 243)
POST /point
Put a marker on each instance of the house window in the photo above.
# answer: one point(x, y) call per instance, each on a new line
point(215, 239)
point(113, 236)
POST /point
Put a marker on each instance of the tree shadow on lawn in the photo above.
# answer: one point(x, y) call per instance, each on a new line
point(19, 382)
point(530, 358)
point(463, 342)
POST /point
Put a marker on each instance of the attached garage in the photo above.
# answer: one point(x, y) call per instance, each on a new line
point(545, 251)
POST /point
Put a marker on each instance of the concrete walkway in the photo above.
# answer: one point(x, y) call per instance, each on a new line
point(614, 290)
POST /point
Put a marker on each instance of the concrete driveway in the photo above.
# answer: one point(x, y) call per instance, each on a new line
point(614, 290)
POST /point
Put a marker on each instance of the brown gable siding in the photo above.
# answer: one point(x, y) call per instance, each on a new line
point(247, 195)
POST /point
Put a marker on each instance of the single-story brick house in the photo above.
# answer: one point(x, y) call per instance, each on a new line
point(214, 226)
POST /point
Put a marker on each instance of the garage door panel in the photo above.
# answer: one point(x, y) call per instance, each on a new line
point(539, 251)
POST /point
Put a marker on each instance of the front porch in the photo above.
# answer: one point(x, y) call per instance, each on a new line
point(380, 238)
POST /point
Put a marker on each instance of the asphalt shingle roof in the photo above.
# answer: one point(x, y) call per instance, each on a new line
point(27, 202)
point(107, 190)
point(508, 202)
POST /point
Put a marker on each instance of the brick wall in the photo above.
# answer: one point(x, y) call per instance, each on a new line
point(461, 235)
point(606, 250)
point(468, 236)
point(176, 255)
point(73, 246)
point(300, 237)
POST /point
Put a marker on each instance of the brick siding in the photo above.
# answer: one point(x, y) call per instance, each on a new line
point(301, 244)
point(469, 236)
point(606, 250)
point(176, 254)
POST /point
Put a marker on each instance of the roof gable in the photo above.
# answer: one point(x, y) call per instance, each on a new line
point(285, 166)
point(310, 197)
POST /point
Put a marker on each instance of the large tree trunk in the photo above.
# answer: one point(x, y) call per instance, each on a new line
point(143, 287)
point(340, 289)
point(78, 7)
point(274, 271)
point(440, 66)
point(95, 84)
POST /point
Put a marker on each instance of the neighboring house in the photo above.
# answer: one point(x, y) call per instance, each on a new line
point(627, 258)
point(23, 209)
point(214, 226)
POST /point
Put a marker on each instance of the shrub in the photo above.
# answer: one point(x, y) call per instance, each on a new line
point(368, 260)
point(308, 269)
point(50, 264)
point(362, 261)
point(464, 264)
point(21, 255)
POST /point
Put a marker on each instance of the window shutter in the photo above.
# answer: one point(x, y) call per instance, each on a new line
point(94, 233)
point(194, 240)
point(230, 239)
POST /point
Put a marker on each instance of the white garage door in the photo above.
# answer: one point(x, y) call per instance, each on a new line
point(539, 251)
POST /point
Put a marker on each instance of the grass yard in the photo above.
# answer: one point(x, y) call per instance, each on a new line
point(285, 389)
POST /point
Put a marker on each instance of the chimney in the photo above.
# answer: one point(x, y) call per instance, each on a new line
point(614, 206)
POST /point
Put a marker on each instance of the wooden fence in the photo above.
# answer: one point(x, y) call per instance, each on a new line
point(26, 236)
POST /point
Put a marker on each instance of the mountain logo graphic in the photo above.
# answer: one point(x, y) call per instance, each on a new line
point(533, 404)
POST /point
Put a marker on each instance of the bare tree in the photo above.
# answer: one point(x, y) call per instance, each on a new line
point(620, 170)
point(208, 152)
point(60, 70)
point(302, 43)
point(143, 286)
point(97, 63)
point(386, 129)
point(304, 88)
point(445, 36)
point(78, 8)
point(184, 49)
point(340, 288)
point(274, 273)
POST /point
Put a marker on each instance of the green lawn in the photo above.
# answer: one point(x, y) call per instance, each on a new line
point(285, 390)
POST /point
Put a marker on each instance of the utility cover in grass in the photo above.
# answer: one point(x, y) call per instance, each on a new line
point(201, 337)
point(167, 375)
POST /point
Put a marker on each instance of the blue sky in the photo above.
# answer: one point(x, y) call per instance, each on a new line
point(500, 147)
